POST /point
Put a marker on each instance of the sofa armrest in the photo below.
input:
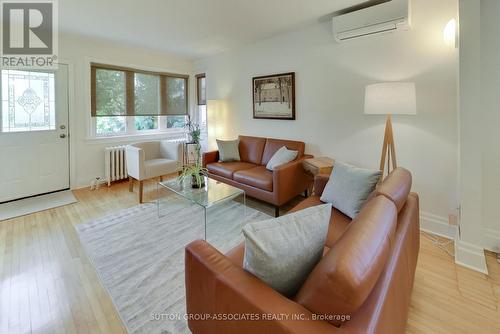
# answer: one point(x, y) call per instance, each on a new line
point(289, 180)
point(320, 182)
point(135, 158)
point(217, 287)
point(210, 157)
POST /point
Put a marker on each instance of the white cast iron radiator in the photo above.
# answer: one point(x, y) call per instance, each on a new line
point(115, 164)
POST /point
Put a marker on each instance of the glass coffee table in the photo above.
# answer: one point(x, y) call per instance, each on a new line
point(218, 201)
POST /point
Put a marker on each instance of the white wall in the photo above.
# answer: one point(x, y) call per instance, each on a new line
point(480, 156)
point(88, 154)
point(330, 81)
point(468, 250)
point(479, 134)
point(490, 104)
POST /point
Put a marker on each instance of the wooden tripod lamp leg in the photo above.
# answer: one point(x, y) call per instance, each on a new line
point(388, 148)
point(392, 145)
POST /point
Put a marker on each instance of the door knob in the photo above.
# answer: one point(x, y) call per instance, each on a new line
point(62, 135)
point(62, 127)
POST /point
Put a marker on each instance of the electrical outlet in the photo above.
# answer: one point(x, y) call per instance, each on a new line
point(452, 220)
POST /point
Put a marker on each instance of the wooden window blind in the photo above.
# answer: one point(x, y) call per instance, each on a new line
point(123, 91)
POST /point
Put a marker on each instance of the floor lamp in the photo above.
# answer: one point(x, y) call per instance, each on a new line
point(216, 114)
point(391, 98)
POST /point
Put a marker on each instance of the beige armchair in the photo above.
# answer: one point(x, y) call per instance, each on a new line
point(147, 160)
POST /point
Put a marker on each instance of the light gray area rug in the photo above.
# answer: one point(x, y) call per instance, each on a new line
point(139, 257)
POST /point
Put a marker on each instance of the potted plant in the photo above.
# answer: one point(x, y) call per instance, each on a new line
point(194, 131)
point(196, 172)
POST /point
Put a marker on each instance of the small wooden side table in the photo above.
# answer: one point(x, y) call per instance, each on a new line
point(320, 165)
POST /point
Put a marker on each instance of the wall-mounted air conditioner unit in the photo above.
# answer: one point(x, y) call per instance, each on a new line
point(386, 17)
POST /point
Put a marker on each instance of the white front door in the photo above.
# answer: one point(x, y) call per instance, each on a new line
point(34, 146)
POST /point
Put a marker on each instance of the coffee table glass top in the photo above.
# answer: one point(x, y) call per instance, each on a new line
point(212, 193)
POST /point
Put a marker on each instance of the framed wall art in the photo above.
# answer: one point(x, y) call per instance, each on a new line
point(274, 96)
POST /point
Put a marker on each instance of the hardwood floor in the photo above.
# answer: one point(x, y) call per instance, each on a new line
point(49, 286)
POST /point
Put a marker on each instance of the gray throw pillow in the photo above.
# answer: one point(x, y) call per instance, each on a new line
point(283, 251)
point(349, 187)
point(281, 157)
point(228, 150)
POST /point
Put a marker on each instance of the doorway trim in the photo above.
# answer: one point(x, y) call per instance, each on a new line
point(71, 122)
point(71, 139)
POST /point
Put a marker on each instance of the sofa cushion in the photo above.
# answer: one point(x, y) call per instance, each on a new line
point(338, 221)
point(338, 224)
point(349, 187)
point(227, 169)
point(346, 275)
point(159, 167)
point(281, 157)
point(251, 149)
point(272, 145)
point(258, 177)
point(228, 150)
point(283, 251)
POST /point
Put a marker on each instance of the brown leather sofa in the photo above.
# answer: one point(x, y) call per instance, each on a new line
point(250, 174)
point(366, 274)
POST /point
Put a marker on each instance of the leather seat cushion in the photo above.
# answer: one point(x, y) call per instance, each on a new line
point(338, 221)
point(237, 254)
point(258, 177)
point(158, 167)
point(227, 169)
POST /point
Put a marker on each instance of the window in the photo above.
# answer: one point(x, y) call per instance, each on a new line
point(174, 122)
point(201, 89)
point(127, 101)
point(146, 101)
point(28, 101)
point(110, 102)
point(202, 109)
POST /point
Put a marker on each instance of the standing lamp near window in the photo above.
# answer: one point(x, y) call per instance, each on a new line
point(391, 98)
point(216, 114)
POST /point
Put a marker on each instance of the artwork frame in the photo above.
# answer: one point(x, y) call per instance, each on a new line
point(280, 89)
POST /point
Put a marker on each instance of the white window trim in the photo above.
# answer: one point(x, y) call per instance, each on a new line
point(131, 132)
point(174, 135)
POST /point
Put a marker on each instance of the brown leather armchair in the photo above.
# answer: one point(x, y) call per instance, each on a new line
point(362, 284)
point(276, 187)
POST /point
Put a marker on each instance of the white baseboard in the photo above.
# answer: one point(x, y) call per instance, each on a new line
point(491, 239)
point(470, 256)
point(466, 254)
point(437, 225)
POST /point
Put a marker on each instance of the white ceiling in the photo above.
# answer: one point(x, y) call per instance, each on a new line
point(194, 28)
